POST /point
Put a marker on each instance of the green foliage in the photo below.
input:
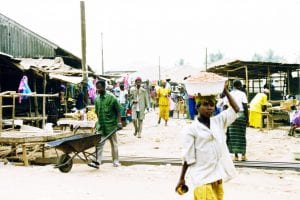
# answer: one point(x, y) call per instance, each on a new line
point(213, 57)
point(270, 56)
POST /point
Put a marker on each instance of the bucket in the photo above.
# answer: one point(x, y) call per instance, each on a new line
point(48, 128)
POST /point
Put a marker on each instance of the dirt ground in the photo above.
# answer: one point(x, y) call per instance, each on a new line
point(149, 182)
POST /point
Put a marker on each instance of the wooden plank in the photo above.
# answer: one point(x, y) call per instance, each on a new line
point(31, 118)
point(15, 95)
point(1, 114)
point(24, 155)
point(7, 106)
point(15, 137)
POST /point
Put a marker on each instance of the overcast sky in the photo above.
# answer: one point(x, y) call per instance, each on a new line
point(137, 32)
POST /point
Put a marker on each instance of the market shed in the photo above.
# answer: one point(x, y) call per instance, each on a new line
point(280, 78)
point(47, 65)
point(20, 42)
point(34, 56)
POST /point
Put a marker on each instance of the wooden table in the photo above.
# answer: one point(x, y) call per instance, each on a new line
point(27, 139)
point(72, 123)
point(269, 120)
point(277, 113)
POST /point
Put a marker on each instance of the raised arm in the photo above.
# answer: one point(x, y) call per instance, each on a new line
point(230, 99)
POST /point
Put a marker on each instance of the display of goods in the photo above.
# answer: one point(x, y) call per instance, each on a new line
point(205, 83)
point(91, 116)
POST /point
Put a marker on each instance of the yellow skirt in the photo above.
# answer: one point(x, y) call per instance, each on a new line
point(255, 119)
point(164, 112)
point(211, 191)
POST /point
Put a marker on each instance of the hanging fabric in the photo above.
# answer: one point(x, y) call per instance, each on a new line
point(23, 88)
point(92, 90)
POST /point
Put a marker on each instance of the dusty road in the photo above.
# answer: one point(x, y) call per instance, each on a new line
point(155, 182)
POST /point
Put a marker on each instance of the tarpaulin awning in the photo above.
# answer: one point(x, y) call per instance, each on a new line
point(69, 79)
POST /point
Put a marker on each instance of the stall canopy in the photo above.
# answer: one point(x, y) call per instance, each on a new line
point(251, 69)
point(255, 71)
point(44, 65)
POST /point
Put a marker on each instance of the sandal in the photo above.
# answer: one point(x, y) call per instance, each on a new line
point(94, 164)
point(236, 158)
point(244, 158)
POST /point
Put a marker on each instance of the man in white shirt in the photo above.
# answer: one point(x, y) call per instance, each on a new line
point(205, 151)
point(123, 94)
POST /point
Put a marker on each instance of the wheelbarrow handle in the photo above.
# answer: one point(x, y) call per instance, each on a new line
point(110, 134)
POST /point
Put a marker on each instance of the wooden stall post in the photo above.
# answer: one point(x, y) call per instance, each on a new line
point(44, 111)
point(288, 81)
point(247, 81)
point(269, 79)
point(44, 83)
point(1, 114)
point(13, 111)
point(36, 106)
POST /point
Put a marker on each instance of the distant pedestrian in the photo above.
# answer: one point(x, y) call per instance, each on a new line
point(107, 109)
point(140, 101)
point(236, 132)
point(192, 107)
point(123, 99)
point(163, 94)
point(257, 106)
point(80, 103)
point(180, 106)
point(153, 97)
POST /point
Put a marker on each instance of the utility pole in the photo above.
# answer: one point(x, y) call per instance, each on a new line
point(159, 68)
point(102, 63)
point(205, 59)
point(83, 51)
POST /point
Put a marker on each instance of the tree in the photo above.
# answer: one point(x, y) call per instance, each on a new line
point(181, 62)
point(257, 57)
point(213, 57)
point(269, 57)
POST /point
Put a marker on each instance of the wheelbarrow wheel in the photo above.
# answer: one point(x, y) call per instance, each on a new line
point(67, 166)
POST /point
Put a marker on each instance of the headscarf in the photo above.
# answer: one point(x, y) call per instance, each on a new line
point(138, 79)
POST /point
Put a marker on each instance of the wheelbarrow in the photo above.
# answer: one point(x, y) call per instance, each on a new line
point(76, 145)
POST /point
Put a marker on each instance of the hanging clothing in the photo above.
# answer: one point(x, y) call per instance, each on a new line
point(23, 88)
point(92, 91)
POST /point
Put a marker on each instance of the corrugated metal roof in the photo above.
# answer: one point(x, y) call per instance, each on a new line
point(255, 69)
point(19, 41)
point(54, 66)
